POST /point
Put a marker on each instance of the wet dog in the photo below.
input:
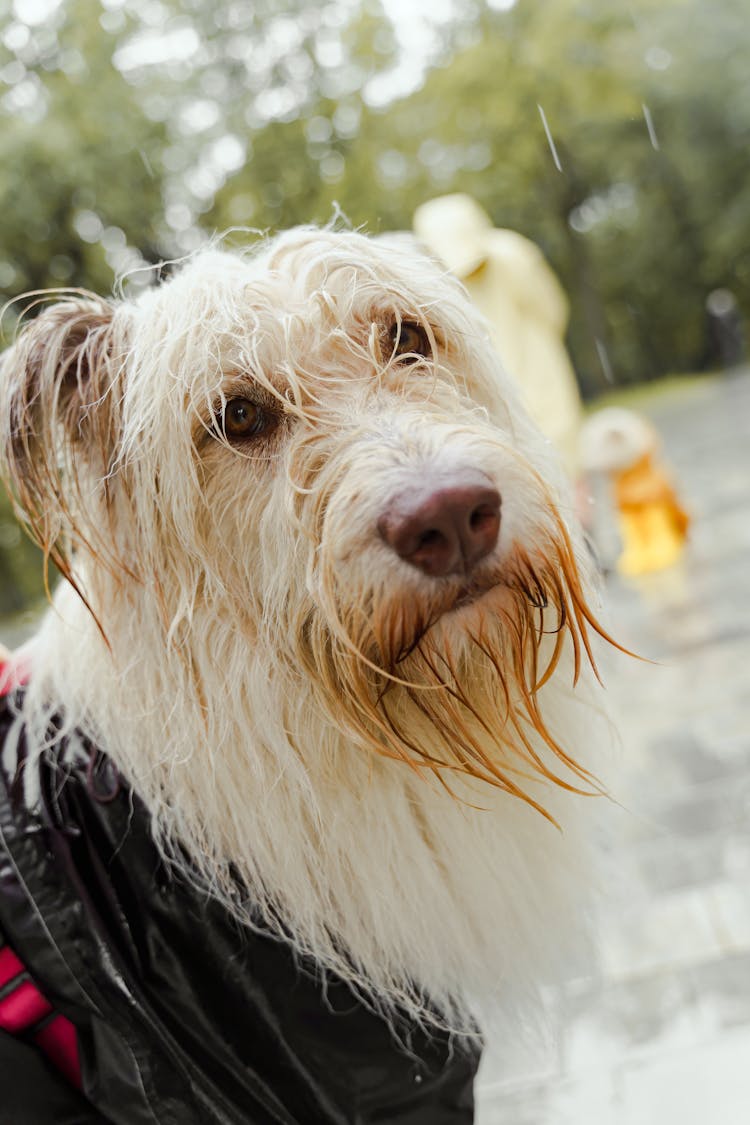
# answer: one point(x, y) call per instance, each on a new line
point(323, 607)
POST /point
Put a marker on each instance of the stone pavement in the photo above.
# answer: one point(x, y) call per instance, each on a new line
point(660, 1033)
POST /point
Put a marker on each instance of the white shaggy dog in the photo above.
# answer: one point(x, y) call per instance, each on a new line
point(325, 608)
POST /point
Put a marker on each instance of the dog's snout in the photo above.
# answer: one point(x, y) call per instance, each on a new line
point(446, 530)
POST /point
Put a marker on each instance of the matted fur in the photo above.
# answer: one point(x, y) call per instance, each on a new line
point(394, 772)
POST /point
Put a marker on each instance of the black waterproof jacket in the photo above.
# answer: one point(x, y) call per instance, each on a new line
point(183, 1018)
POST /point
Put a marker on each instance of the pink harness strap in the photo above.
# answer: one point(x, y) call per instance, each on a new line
point(14, 671)
point(59, 1041)
point(23, 1009)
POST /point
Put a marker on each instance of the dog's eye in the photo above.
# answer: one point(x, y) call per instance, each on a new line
point(242, 418)
point(409, 342)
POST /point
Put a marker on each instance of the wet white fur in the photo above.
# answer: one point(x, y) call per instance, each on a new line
point(419, 896)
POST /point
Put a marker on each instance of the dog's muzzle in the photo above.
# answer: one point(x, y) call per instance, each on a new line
point(444, 530)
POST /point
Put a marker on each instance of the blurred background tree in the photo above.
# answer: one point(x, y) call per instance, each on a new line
point(615, 136)
point(80, 200)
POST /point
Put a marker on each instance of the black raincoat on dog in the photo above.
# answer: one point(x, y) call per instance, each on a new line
point(176, 1015)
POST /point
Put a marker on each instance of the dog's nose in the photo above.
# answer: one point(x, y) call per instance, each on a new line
point(446, 531)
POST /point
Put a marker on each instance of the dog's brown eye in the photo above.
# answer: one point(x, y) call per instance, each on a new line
point(243, 419)
point(409, 342)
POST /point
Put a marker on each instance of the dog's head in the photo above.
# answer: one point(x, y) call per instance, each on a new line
point(317, 446)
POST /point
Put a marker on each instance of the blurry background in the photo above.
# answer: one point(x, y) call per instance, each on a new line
point(616, 136)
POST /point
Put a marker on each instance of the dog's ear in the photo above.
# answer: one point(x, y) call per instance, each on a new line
point(59, 405)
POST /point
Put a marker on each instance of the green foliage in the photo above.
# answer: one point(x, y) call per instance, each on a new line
point(77, 161)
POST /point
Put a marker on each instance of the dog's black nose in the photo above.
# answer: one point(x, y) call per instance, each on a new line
point(447, 530)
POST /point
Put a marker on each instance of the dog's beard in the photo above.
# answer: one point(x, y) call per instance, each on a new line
point(450, 682)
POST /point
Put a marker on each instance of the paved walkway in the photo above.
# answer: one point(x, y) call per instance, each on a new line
point(661, 1034)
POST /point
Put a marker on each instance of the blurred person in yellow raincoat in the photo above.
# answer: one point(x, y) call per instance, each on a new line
point(510, 281)
point(652, 522)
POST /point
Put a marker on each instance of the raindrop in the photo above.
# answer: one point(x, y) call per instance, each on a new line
point(550, 142)
point(601, 351)
point(650, 126)
point(146, 162)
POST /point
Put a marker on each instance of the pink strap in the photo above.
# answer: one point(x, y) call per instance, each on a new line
point(10, 966)
point(23, 1008)
point(14, 671)
point(59, 1041)
point(25, 1011)
point(5, 677)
